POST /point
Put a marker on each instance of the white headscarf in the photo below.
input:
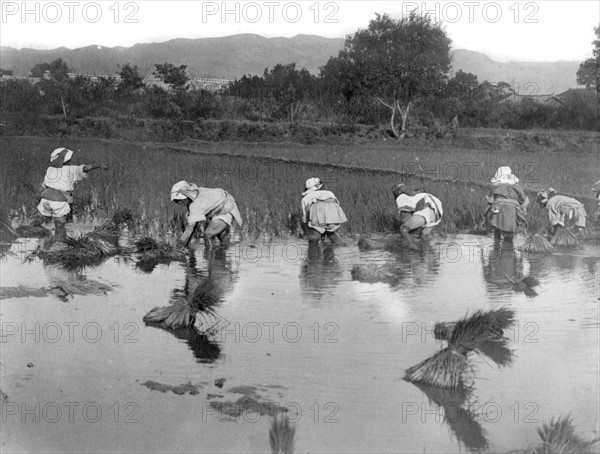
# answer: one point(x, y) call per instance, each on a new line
point(64, 152)
point(504, 175)
point(183, 190)
point(312, 184)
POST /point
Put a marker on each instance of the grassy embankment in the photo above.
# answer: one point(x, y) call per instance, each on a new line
point(267, 178)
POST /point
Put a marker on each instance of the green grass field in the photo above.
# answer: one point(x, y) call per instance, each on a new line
point(267, 179)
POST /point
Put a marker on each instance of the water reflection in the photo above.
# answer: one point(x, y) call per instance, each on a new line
point(447, 377)
point(192, 315)
point(501, 260)
point(414, 267)
point(321, 271)
point(459, 415)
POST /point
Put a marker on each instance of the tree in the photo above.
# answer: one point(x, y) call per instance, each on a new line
point(58, 69)
point(59, 77)
point(399, 60)
point(589, 71)
point(6, 72)
point(131, 78)
point(289, 87)
point(172, 75)
point(338, 77)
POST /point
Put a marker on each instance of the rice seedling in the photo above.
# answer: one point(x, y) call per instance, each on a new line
point(535, 241)
point(447, 368)
point(564, 237)
point(281, 435)
point(450, 367)
point(267, 189)
point(559, 436)
point(151, 253)
point(481, 325)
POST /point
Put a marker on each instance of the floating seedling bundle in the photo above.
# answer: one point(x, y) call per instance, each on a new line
point(450, 367)
point(559, 436)
point(151, 250)
point(86, 249)
point(536, 243)
point(564, 238)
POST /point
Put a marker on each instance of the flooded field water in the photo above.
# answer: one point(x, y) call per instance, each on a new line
point(300, 332)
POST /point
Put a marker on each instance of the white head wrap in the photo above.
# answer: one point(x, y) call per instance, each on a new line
point(504, 175)
point(56, 153)
point(183, 190)
point(312, 184)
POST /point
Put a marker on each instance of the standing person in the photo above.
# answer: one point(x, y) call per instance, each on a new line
point(563, 211)
point(214, 206)
point(321, 212)
point(507, 204)
point(57, 189)
point(418, 211)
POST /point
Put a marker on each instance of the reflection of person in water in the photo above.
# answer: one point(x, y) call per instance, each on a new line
point(414, 267)
point(320, 271)
point(192, 313)
point(502, 261)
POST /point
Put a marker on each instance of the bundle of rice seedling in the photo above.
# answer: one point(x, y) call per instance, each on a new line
point(564, 238)
point(448, 368)
point(281, 436)
point(482, 325)
point(109, 231)
point(178, 314)
point(77, 250)
point(559, 436)
point(536, 243)
point(32, 231)
point(152, 252)
point(443, 331)
point(183, 314)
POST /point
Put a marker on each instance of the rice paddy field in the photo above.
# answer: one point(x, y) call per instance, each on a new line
point(323, 337)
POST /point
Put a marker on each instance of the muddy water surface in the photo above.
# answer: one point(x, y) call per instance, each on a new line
point(82, 373)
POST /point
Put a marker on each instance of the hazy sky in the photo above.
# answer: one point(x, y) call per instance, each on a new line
point(505, 30)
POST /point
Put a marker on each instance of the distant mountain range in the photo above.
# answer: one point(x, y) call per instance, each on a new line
point(233, 56)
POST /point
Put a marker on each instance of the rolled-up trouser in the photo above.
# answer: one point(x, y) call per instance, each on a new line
point(52, 209)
